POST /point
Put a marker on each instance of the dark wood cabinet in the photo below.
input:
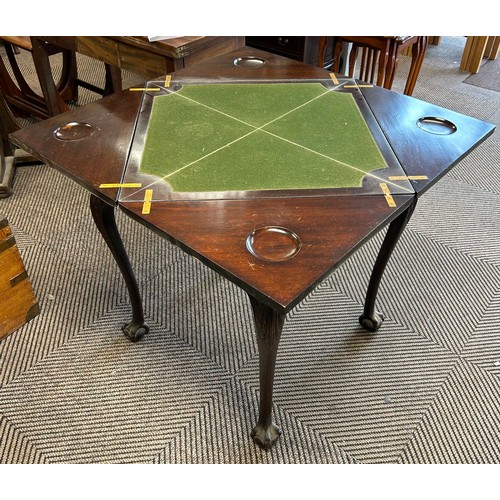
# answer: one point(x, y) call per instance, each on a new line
point(301, 48)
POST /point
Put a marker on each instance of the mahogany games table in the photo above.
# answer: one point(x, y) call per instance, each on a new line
point(269, 171)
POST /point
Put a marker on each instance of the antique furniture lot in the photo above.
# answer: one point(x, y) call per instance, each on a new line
point(277, 244)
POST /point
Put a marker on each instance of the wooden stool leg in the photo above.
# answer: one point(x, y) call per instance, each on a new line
point(473, 53)
point(492, 47)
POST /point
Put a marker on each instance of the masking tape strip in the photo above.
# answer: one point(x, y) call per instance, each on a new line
point(408, 177)
point(387, 193)
point(118, 185)
point(148, 196)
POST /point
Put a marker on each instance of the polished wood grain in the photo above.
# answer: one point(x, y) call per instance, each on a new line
point(216, 233)
point(421, 152)
point(113, 120)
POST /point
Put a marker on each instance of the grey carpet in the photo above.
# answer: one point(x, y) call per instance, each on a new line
point(488, 76)
point(424, 389)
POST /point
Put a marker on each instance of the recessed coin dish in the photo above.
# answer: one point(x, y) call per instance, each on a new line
point(74, 131)
point(436, 125)
point(249, 62)
point(273, 243)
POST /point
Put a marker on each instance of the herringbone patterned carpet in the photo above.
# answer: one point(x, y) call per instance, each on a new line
point(424, 389)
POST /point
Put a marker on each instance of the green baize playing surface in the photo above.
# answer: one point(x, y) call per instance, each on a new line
point(233, 137)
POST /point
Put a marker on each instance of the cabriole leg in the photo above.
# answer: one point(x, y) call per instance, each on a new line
point(268, 324)
point(371, 319)
point(104, 218)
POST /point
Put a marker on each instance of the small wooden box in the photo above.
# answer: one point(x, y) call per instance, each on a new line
point(18, 303)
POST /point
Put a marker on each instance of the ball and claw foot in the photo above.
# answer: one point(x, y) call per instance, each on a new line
point(134, 331)
point(265, 436)
point(371, 323)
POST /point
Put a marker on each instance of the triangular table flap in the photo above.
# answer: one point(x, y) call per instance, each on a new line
point(276, 250)
point(96, 145)
point(422, 133)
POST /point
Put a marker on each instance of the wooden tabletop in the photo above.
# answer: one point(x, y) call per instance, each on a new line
point(330, 228)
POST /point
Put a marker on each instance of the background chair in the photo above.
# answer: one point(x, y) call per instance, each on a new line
point(24, 100)
point(375, 57)
point(19, 99)
point(19, 95)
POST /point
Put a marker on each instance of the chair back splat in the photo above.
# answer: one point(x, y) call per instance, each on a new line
point(374, 59)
